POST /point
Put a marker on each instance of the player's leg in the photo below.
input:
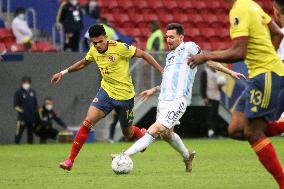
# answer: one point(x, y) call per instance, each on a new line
point(152, 133)
point(264, 149)
point(20, 127)
point(169, 113)
point(261, 100)
point(126, 116)
point(175, 141)
point(99, 108)
point(112, 126)
point(236, 126)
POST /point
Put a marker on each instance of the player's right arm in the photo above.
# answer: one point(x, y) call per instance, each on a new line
point(276, 34)
point(73, 68)
point(219, 67)
point(146, 94)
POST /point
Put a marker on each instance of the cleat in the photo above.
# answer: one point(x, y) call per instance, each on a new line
point(66, 165)
point(188, 161)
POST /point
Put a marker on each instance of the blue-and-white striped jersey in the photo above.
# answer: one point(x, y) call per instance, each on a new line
point(178, 77)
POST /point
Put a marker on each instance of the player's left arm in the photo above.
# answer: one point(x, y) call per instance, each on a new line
point(219, 67)
point(276, 34)
point(236, 52)
point(149, 59)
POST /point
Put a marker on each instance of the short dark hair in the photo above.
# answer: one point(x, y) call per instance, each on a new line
point(176, 26)
point(20, 10)
point(48, 98)
point(96, 30)
point(280, 4)
point(26, 79)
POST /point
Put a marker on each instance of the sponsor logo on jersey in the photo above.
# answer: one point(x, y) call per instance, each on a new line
point(95, 100)
point(126, 45)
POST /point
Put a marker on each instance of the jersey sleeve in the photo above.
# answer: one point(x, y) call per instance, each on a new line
point(239, 21)
point(193, 48)
point(126, 50)
point(90, 57)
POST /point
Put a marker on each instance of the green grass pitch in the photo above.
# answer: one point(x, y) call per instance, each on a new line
point(220, 164)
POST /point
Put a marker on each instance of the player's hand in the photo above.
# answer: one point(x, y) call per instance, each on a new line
point(56, 78)
point(238, 75)
point(146, 94)
point(195, 60)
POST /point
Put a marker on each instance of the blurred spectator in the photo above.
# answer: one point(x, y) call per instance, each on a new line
point(25, 104)
point(211, 84)
point(71, 18)
point(155, 42)
point(93, 9)
point(44, 128)
point(21, 29)
point(2, 23)
point(110, 32)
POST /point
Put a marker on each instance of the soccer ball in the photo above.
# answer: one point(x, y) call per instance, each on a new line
point(122, 164)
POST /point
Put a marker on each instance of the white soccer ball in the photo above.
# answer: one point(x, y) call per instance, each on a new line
point(122, 164)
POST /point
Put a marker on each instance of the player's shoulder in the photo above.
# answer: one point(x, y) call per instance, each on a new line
point(191, 45)
point(113, 43)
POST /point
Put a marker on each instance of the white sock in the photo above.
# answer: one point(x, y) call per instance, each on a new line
point(178, 145)
point(140, 144)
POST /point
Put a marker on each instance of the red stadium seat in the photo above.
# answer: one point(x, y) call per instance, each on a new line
point(180, 18)
point(149, 17)
point(126, 4)
point(224, 19)
point(2, 47)
point(155, 3)
point(5, 33)
point(109, 17)
point(166, 18)
point(207, 32)
point(121, 18)
point(192, 32)
point(170, 4)
point(43, 46)
point(109, 3)
point(222, 32)
point(142, 4)
point(205, 45)
point(212, 20)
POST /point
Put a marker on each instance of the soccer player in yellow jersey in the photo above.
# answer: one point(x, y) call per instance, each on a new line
point(254, 38)
point(117, 90)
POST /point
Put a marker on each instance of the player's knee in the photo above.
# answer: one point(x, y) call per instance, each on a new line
point(166, 135)
point(232, 131)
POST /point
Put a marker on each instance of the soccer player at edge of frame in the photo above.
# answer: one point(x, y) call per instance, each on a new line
point(117, 90)
point(175, 94)
point(255, 36)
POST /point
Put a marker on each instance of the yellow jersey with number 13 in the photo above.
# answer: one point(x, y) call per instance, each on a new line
point(114, 68)
point(248, 19)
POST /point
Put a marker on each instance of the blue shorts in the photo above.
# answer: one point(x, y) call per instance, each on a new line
point(124, 108)
point(260, 98)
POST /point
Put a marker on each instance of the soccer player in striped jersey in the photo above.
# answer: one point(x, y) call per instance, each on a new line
point(117, 90)
point(255, 36)
point(175, 94)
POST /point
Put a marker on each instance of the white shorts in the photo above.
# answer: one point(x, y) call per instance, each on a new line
point(169, 112)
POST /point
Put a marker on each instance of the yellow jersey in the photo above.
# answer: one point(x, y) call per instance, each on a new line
point(114, 67)
point(247, 18)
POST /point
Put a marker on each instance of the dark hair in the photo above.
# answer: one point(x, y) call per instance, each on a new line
point(176, 26)
point(48, 98)
point(96, 30)
point(20, 10)
point(154, 25)
point(26, 79)
point(280, 4)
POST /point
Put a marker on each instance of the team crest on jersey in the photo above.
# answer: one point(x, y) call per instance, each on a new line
point(236, 21)
point(111, 58)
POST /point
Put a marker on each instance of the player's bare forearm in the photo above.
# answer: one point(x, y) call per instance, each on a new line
point(237, 52)
point(276, 34)
point(219, 67)
point(78, 66)
point(74, 68)
point(149, 59)
point(146, 94)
